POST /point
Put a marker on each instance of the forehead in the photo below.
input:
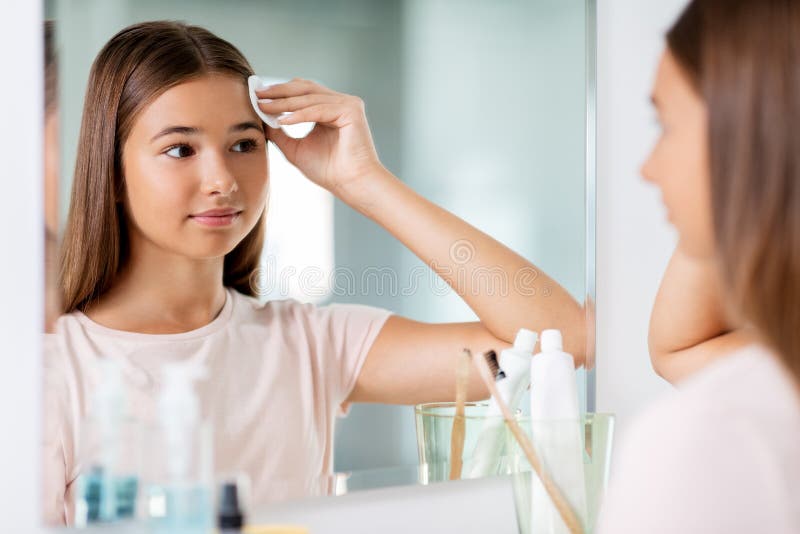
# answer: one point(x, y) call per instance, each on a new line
point(671, 84)
point(205, 101)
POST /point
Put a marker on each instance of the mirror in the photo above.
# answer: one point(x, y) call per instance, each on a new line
point(483, 107)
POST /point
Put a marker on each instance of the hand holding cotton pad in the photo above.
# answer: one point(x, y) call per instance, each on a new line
point(255, 83)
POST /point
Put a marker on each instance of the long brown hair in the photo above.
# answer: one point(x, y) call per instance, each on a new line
point(743, 57)
point(50, 67)
point(134, 67)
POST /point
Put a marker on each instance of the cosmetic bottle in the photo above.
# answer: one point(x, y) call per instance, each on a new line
point(230, 518)
point(180, 485)
point(556, 432)
point(107, 487)
point(515, 364)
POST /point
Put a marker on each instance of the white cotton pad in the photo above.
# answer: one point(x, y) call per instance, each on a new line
point(254, 83)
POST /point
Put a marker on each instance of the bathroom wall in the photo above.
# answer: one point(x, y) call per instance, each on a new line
point(634, 240)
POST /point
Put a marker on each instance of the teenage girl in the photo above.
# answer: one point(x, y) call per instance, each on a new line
point(720, 455)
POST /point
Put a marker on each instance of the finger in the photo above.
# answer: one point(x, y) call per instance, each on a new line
point(294, 103)
point(295, 87)
point(326, 114)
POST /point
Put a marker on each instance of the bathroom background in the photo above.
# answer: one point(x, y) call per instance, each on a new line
point(481, 106)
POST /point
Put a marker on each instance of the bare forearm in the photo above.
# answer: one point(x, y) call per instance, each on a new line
point(689, 326)
point(506, 291)
point(679, 364)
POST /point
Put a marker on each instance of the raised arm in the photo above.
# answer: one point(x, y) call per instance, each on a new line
point(412, 361)
point(462, 255)
point(689, 326)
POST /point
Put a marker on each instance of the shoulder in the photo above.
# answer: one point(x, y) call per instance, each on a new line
point(745, 401)
point(57, 353)
point(305, 313)
point(724, 441)
point(272, 313)
point(750, 385)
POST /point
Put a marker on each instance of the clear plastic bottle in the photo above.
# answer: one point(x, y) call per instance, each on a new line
point(180, 470)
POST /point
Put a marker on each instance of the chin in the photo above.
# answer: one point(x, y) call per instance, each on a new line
point(212, 249)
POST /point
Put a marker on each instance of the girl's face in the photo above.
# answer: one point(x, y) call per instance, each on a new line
point(679, 162)
point(195, 168)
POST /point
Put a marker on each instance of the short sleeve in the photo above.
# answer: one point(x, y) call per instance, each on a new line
point(686, 470)
point(346, 333)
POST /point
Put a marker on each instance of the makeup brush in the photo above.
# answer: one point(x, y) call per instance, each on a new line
point(457, 435)
point(561, 504)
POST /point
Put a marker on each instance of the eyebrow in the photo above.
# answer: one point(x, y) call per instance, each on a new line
point(191, 130)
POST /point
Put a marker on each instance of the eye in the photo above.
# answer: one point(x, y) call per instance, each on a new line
point(179, 151)
point(245, 145)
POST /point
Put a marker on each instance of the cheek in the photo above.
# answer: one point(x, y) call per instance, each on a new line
point(695, 190)
point(156, 192)
point(678, 166)
point(664, 168)
point(252, 177)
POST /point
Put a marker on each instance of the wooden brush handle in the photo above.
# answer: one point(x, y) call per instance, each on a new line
point(457, 446)
point(458, 433)
point(563, 507)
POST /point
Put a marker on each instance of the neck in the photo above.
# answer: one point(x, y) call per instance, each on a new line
point(160, 292)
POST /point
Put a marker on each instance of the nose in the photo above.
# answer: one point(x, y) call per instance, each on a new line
point(217, 176)
point(646, 170)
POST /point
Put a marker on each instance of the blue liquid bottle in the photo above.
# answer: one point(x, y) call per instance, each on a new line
point(108, 486)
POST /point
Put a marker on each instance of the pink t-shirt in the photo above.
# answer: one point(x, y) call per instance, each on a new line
point(278, 374)
point(718, 456)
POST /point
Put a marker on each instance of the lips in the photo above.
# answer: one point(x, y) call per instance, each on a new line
point(217, 212)
point(216, 217)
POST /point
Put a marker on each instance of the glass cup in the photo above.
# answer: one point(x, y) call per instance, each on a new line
point(434, 422)
point(583, 472)
point(582, 476)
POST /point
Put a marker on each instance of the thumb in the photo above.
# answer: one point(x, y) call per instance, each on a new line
point(285, 144)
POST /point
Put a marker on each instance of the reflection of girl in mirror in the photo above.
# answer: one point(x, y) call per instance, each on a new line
point(165, 231)
point(52, 303)
point(721, 456)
